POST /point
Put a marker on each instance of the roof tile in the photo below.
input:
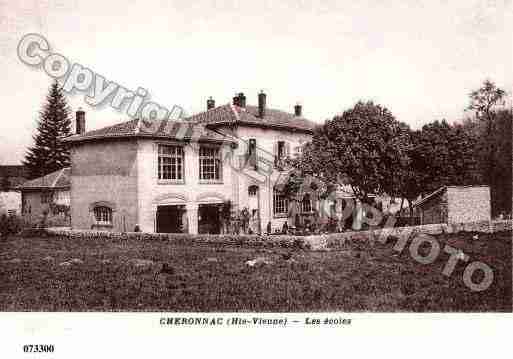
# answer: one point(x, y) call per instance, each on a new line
point(57, 179)
point(249, 115)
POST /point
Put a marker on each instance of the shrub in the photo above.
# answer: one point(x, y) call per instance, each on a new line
point(58, 221)
point(10, 225)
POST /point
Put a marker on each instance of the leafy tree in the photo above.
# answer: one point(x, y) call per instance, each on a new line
point(498, 177)
point(501, 185)
point(410, 175)
point(49, 153)
point(483, 102)
point(363, 147)
point(493, 149)
point(5, 184)
point(445, 156)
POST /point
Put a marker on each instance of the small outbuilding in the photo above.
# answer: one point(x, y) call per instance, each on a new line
point(455, 204)
point(49, 194)
point(10, 197)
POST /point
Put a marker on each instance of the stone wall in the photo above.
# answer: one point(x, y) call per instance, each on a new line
point(468, 204)
point(315, 242)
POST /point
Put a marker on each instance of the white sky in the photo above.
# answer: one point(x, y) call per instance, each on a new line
point(418, 58)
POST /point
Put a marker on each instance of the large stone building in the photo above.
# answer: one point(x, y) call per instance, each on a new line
point(174, 176)
point(455, 204)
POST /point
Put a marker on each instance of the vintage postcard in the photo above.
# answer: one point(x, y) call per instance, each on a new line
point(240, 172)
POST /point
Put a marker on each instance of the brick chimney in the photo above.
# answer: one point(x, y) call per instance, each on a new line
point(80, 128)
point(298, 110)
point(211, 103)
point(261, 104)
point(242, 100)
point(236, 100)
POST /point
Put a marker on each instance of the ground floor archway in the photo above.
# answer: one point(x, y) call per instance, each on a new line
point(209, 218)
point(170, 219)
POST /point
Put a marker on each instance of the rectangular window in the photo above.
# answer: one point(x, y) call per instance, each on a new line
point(103, 215)
point(252, 146)
point(170, 163)
point(306, 204)
point(210, 164)
point(252, 153)
point(281, 150)
point(281, 204)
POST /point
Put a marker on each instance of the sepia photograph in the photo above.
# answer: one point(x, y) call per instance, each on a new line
point(267, 159)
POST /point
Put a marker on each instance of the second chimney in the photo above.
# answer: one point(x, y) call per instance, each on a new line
point(242, 100)
point(236, 100)
point(211, 103)
point(297, 110)
point(261, 104)
point(80, 121)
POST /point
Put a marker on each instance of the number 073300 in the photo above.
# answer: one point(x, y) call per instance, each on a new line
point(38, 348)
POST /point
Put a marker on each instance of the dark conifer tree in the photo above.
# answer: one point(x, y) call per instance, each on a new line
point(49, 153)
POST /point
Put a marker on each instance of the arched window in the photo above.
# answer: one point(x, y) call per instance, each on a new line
point(103, 215)
point(306, 204)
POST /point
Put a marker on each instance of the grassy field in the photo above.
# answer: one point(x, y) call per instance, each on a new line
point(118, 276)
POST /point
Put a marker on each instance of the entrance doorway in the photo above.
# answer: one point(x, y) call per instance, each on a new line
point(170, 219)
point(209, 219)
point(254, 209)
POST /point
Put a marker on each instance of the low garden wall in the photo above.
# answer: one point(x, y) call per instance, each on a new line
point(314, 242)
point(337, 239)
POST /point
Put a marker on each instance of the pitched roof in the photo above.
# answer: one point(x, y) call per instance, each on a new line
point(13, 171)
point(439, 191)
point(168, 129)
point(248, 115)
point(431, 195)
point(57, 179)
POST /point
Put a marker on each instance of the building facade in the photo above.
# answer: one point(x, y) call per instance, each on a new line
point(179, 176)
point(47, 196)
point(455, 204)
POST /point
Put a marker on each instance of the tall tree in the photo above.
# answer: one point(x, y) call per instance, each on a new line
point(493, 142)
point(446, 155)
point(410, 174)
point(483, 102)
point(503, 177)
point(498, 177)
point(363, 147)
point(49, 153)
